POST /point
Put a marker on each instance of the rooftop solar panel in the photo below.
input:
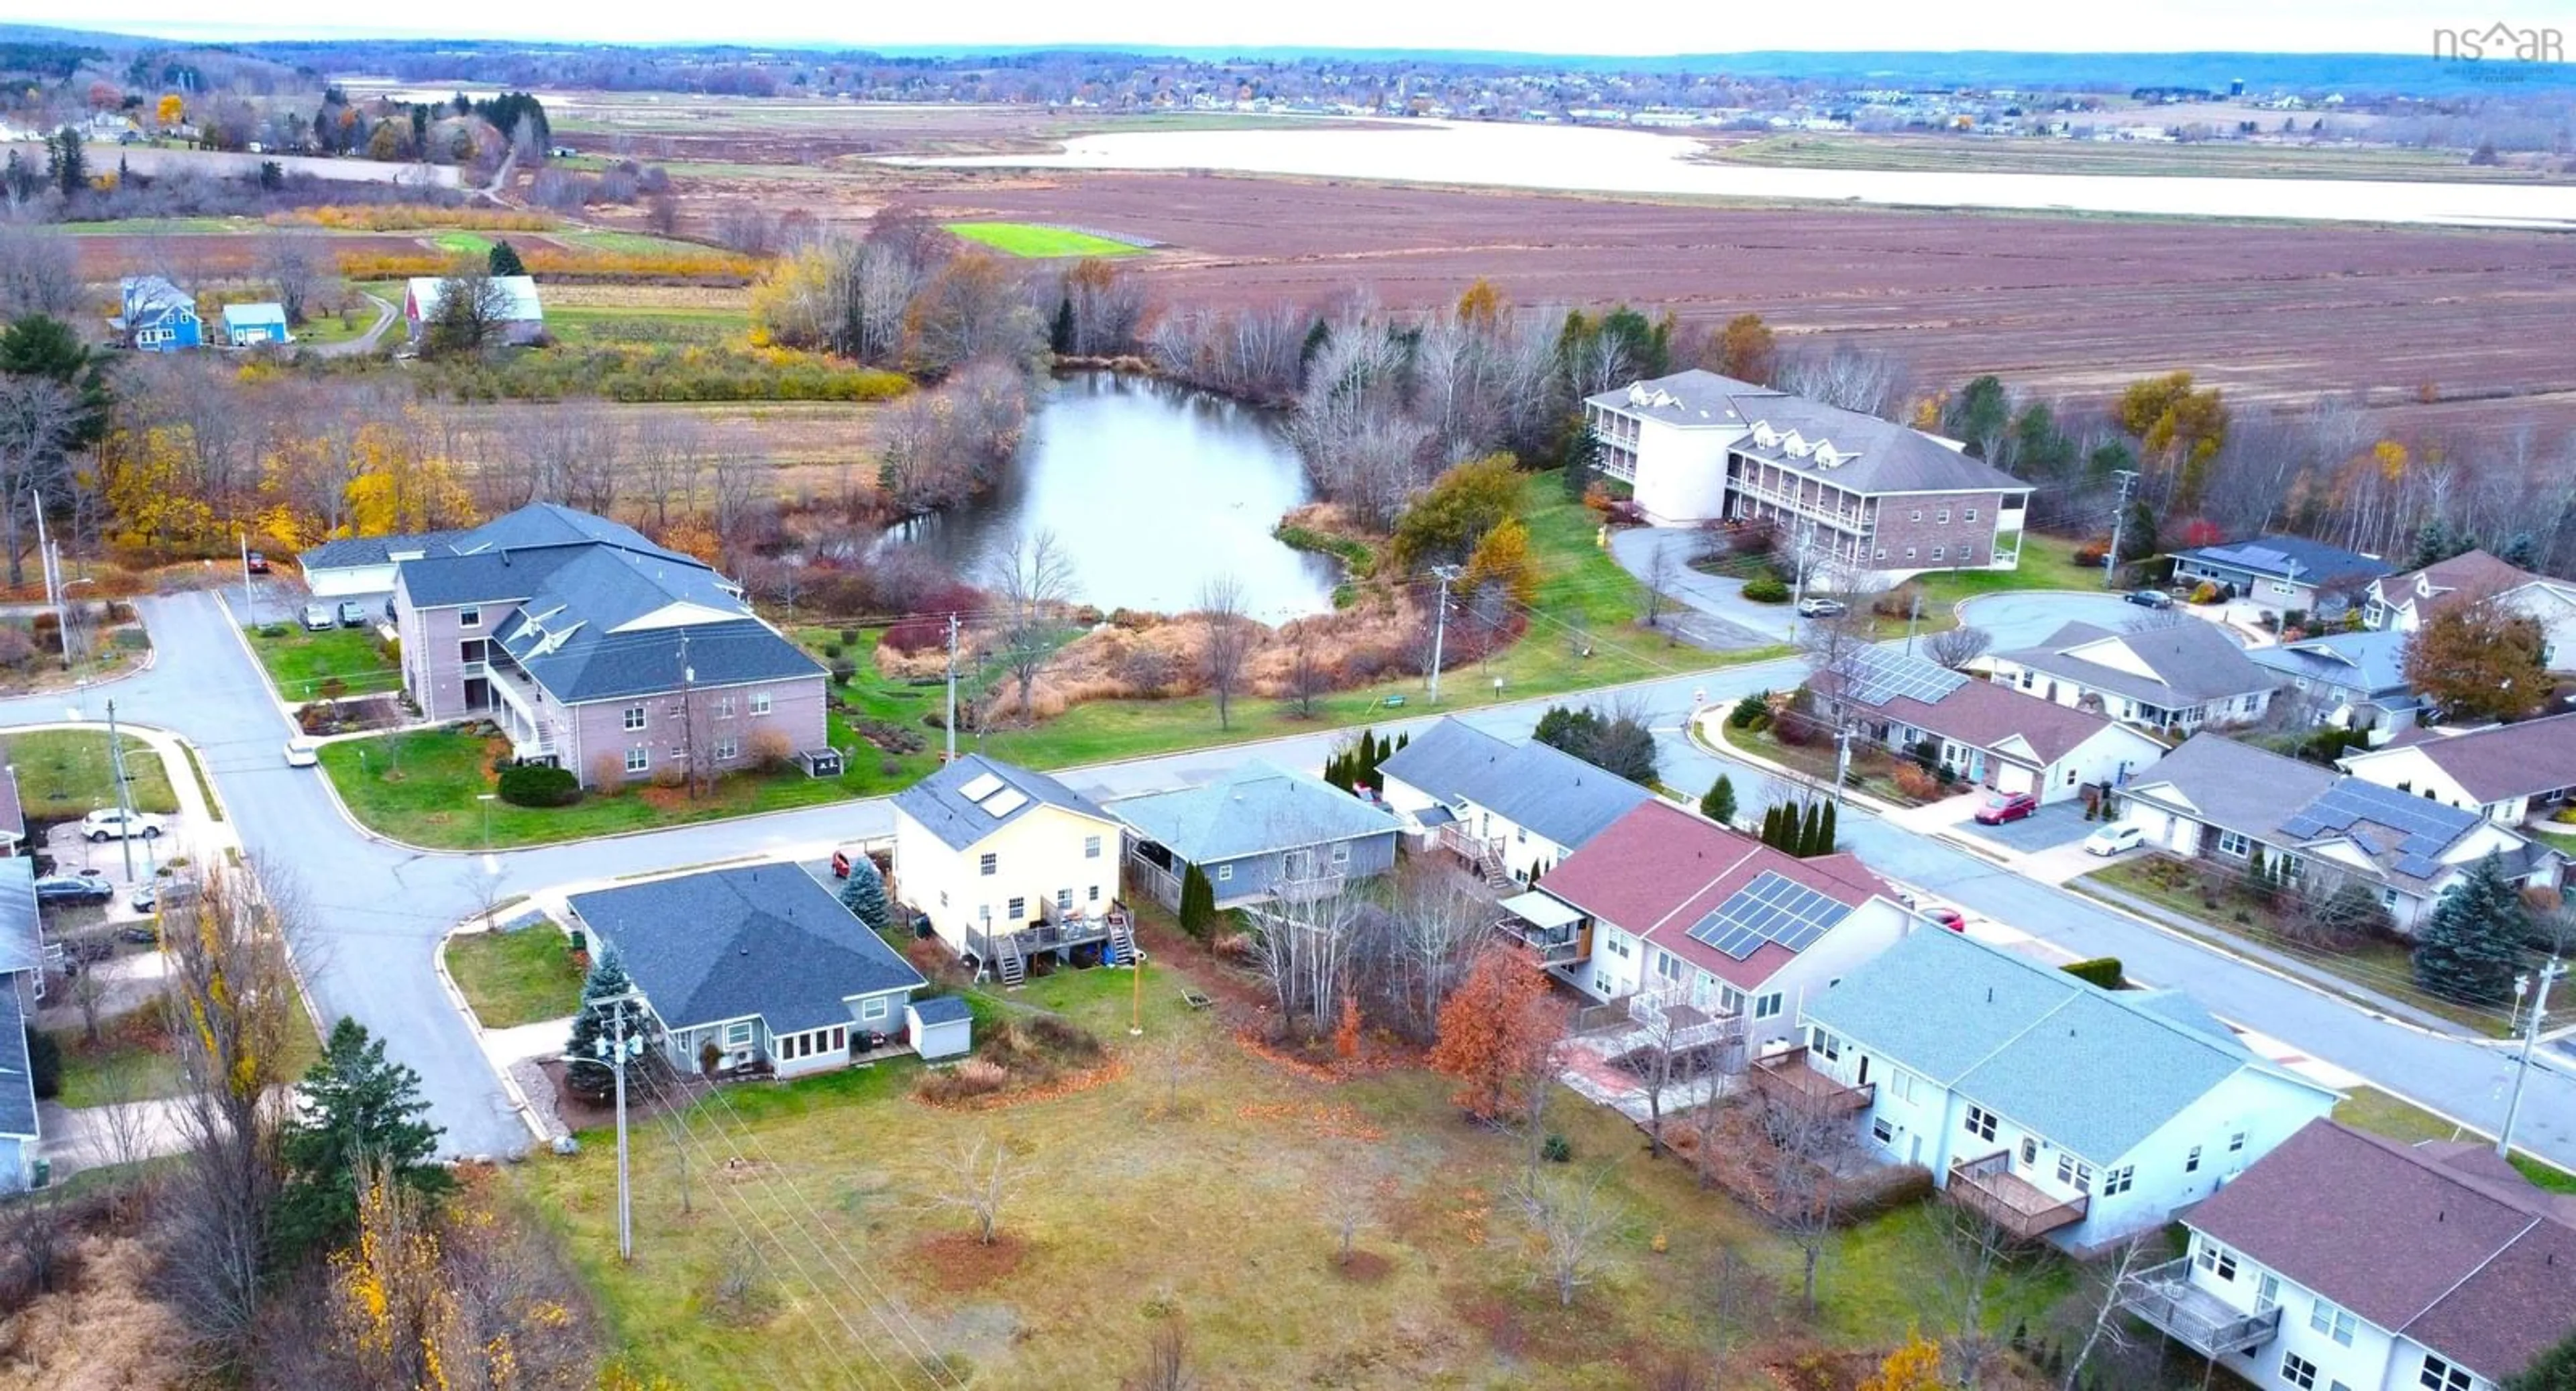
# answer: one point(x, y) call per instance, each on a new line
point(1003, 803)
point(983, 785)
point(1879, 677)
point(1770, 909)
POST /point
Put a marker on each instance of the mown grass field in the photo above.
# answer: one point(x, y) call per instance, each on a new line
point(299, 663)
point(1032, 240)
point(811, 1225)
point(2047, 562)
point(516, 977)
point(65, 774)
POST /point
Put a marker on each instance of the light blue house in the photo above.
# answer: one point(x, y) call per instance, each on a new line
point(22, 966)
point(157, 316)
point(2356, 680)
point(249, 325)
point(1260, 833)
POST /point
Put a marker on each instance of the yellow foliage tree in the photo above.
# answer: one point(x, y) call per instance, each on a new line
point(147, 490)
point(1482, 306)
point(1916, 1366)
point(396, 489)
point(171, 110)
point(1502, 557)
point(792, 305)
point(2178, 426)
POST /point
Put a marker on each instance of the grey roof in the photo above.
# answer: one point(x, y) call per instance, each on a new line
point(2230, 785)
point(2372, 663)
point(349, 552)
point(13, 818)
point(17, 1078)
point(149, 298)
point(1869, 454)
point(2405, 832)
point(508, 556)
point(2095, 1071)
point(552, 524)
point(940, 804)
point(2293, 558)
point(565, 633)
point(1529, 784)
point(2502, 761)
point(22, 934)
point(2193, 662)
point(766, 939)
point(942, 1009)
point(1256, 809)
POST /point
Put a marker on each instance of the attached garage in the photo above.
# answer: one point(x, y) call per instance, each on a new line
point(359, 565)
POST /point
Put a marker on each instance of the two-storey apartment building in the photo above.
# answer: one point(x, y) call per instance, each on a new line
point(2052, 1107)
point(1869, 499)
point(598, 651)
point(2346, 1262)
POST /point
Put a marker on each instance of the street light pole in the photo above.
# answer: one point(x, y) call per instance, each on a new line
point(490, 865)
point(2530, 1036)
point(1440, 625)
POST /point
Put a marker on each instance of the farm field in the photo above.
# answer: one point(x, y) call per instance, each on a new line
point(1032, 240)
point(2025, 156)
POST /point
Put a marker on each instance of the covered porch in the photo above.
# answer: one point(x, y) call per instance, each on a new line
point(1558, 934)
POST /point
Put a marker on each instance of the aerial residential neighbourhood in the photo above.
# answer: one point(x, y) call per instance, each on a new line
point(920, 699)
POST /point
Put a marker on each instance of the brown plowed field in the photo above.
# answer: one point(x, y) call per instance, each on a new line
point(190, 257)
point(2069, 305)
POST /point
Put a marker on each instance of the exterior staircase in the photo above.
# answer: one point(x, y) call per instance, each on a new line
point(1489, 863)
point(1009, 967)
point(1121, 948)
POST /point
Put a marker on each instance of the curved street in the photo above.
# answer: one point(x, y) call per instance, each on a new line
point(378, 911)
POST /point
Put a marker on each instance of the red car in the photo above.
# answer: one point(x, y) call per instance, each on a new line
point(258, 563)
point(2007, 807)
point(1947, 917)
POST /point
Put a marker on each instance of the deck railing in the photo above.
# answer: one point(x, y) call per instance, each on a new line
point(1789, 1076)
point(1988, 1187)
point(2194, 1317)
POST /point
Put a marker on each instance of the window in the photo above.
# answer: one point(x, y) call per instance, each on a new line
point(1091, 847)
point(1668, 966)
point(873, 1007)
point(2439, 1375)
point(1966, 554)
point(2298, 1371)
point(1827, 1046)
point(2217, 1260)
point(1881, 1131)
point(2232, 843)
point(639, 758)
point(1944, 517)
point(2029, 1151)
point(1730, 999)
point(2075, 1172)
point(1342, 853)
point(2191, 1161)
point(2331, 1319)
point(737, 1033)
point(1981, 1122)
point(1224, 873)
point(469, 618)
point(988, 864)
point(1901, 1085)
point(634, 717)
point(1064, 900)
point(1095, 893)
point(1768, 1006)
point(2236, 1143)
point(1881, 555)
point(724, 707)
point(2267, 1292)
point(1968, 515)
point(474, 650)
point(727, 750)
point(1915, 516)
point(2119, 1180)
point(1909, 553)
point(840, 1037)
point(1940, 552)
point(1018, 909)
point(760, 702)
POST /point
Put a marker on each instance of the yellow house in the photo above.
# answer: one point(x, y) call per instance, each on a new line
point(1008, 865)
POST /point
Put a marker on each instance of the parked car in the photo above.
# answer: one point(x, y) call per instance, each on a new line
point(152, 895)
point(317, 618)
point(2115, 838)
point(2151, 598)
point(112, 824)
point(303, 751)
point(1950, 918)
point(1818, 607)
point(352, 614)
point(258, 563)
point(2007, 806)
point(74, 888)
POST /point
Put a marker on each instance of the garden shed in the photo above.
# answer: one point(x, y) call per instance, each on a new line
point(940, 1027)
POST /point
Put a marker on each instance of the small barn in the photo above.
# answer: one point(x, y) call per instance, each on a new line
point(252, 325)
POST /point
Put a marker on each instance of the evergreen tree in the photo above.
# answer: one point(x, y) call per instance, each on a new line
point(864, 894)
point(1825, 846)
point(1198, 902)
point(1771, 825)
point(2522, 552)
point(2470, 947)
point(70, 164)
point(587, 1073)
point(503, 259)
point(2552, 1370)
point(360, 1109)
point(1060, 337)
point(1811, 835)
point(1719, 803)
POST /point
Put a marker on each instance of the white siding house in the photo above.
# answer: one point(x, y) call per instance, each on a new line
point(1009, 864)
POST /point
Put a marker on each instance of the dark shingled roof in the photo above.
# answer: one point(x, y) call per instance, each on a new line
point(767, 939)
point(13, 820)
point(943, 810)
point(1982, 713)
point(17, 1079)
point(1528, 784)
point(942, 1009)
point(350, 552)
point(1872, 455)
point(2503, 761)
point(2192, 661)
point(22, 933)
point(2294, 558)
point(2440, 1243)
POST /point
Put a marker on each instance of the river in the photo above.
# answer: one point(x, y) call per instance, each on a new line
point(1154, 489)
point(1595, 160)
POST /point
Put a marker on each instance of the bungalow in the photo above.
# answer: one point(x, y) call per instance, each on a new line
point(2044, 1103)
point(2342, 1259)
point(22, 967)
point(2281, 574)
point(2401, 603)
point(156, 316)
point(2353, 680)
point(1509, 810)
point(1258, 833)
point(521, 317)
point(249, 325)
point(1987, 731)
point(1703, 928)
point(2177, 675)
point(2509, 773)
point(2218, 799)
point(758, 963)
point(1008, 864)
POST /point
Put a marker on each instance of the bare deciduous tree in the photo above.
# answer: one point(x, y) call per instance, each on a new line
point(295, 265)
point(977, 1180)
point(38, 418)
point(1956, 647)
point(2113, 1280)
point(1032, 581)
point(1805, 1149)
point(1305, 941)
point(39, 272)
point(1977, 1271)
point(1663, 573)
point(1308, 676)
point(1567, 1220)
point(1230, 640)
point(1166, 1365)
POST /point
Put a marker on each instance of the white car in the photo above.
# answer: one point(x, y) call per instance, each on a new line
point(112, 824)
point(303, 751)
point(2115, 838)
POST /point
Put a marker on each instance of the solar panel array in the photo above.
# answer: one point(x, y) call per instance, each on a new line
point(983, 785)
point(1003, 803)
point(1770, 909)
point(1879, 677)
point(2425, 826)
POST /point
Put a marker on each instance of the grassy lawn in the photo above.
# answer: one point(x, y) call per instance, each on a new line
point(516, 977)
point(63, 774)
point(2047, 562)
point(463, 243)
point(629, 243)
point(2377, 964)
point(1127, 1213)
point(2563, 840)
point(1030, 239)
point(298, 662)
point(2369, 1108)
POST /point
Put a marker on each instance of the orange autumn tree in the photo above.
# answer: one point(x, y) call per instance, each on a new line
point(1498, 1031)
point(1916, 1366)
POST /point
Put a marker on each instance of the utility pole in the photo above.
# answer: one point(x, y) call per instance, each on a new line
point(952, 690)
point(688, 724)
point(1440, 625)
point(2530, 1036)
point(2119, 514)
point(1842, 761)
point(250, 596)
point(1913, 616)
point(53, 573)
point(615, 1052)
point(124, 797)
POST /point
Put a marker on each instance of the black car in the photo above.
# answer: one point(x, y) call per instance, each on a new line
point(352, 614)
point(74, 888)
point(2150, 598)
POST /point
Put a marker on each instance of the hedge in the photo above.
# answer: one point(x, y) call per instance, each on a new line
point(1766, 590)
point(536, 785)
point(2103, 971)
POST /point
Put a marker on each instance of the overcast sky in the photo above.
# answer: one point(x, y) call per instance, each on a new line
point(2297, 26)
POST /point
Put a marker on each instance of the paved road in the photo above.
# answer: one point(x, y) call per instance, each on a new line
point(1735, 623)
point(380, 910)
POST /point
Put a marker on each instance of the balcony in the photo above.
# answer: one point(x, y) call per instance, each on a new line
point(1989, 1188)
point(1852, 519)
point(2166, 1298)
point(1789, 1077)
point(1679, 1026)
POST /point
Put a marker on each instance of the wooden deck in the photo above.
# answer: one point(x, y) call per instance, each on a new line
point(1787, 1075)
point(2166, 1298)
point(1989, 1188)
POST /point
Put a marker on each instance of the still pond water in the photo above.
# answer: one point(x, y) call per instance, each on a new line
point(1153, 489)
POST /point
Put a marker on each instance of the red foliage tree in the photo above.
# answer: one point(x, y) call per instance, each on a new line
point(2201, 531)
point(1498, 1031)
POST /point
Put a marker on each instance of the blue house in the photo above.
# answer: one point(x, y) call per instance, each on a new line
point(1260, 833)
point(2356, 680)
point(248, 325)
point(157, 317)
point(2283, 573)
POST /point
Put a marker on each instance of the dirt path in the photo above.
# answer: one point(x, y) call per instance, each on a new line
point(364, 342)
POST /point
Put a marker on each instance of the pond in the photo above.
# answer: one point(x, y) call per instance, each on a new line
point(1154, 489)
